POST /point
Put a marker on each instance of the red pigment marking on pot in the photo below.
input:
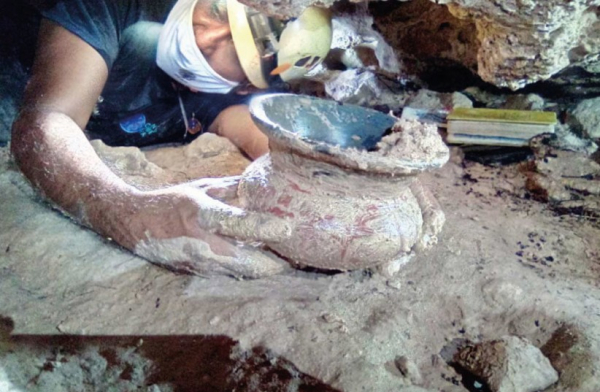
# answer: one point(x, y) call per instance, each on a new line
point(280, 213)
point(285, 200)
point(296, 187)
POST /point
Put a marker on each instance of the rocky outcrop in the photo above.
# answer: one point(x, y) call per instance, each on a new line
point(510, 364)
point(588, 115)
point(568, 180)
point(508, 43)
point(523, 41)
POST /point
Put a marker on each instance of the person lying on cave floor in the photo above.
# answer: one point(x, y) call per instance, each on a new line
point(113, 69)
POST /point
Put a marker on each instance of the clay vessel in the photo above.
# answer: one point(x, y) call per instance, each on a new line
point(350, 207)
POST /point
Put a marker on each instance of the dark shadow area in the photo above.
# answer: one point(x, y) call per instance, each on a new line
point(186, 363)
point(18, 28)
point(19, 24)
point(434, 46)
point(568, 86)
point(497, 156)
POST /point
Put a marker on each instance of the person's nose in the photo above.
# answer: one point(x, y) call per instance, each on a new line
point(216, 38)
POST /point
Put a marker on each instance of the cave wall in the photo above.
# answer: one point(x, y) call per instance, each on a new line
point(432, 43)
point(524, 41)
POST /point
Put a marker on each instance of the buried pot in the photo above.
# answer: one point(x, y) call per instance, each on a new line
point(345, 176)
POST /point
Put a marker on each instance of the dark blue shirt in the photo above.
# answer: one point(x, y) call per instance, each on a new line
point(139, 104)
point(101, 23)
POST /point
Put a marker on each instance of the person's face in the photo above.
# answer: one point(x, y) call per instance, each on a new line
point(214, 40)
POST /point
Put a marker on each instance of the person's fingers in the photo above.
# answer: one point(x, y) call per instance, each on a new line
point(230, 221)
point(223, 188)
point(210, 257)
point(255, 227)
point(219, 217)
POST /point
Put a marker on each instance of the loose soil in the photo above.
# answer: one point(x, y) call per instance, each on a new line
point(504, 265)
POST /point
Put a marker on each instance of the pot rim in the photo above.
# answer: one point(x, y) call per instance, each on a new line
point(346, 157)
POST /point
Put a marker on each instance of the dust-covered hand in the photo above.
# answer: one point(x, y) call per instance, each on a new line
point(191, 228)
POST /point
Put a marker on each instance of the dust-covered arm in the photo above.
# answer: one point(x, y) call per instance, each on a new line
point(47, 139)
point(53, 153)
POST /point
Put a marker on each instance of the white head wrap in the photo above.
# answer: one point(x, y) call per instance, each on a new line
point(179, 56)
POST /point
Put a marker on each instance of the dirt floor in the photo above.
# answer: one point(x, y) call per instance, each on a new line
point(86, 315)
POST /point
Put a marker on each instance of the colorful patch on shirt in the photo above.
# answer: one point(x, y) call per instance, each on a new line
point(133, 124)
point(138, 124)
point(149, 129)
point(194, 126)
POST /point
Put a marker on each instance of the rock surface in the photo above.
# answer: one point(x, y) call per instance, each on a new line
point(523, 41)
point(431, 100)
point(354, 30)
point(569, 180)
point(365, 88)
point(524, 102)
point(207, 156)
point(510, 364)
point(587, 113)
